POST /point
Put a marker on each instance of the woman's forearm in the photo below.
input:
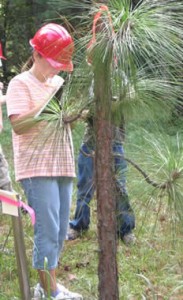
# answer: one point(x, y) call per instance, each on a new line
point(22, 123)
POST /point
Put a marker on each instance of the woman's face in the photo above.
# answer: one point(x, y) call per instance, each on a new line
point(43, 66)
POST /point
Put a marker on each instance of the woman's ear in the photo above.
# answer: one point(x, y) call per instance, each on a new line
point(36, 55)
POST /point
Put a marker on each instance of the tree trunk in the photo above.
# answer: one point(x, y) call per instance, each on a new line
point(21, 259)
point(106, 205)
point(5, 8)
point(20, 251)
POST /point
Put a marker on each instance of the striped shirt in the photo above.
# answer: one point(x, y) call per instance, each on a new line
point(42, 150)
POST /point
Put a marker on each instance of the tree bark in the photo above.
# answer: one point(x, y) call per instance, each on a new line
point(21, 258)
point(106, 204)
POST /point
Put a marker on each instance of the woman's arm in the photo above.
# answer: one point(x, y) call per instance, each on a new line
point(22, 123)
point(21, 111)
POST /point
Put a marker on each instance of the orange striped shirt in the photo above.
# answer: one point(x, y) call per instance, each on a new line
point(42, 150)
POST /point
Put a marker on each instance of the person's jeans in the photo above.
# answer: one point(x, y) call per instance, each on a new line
point(86, 188)
point(124, 212)
point(50, 197)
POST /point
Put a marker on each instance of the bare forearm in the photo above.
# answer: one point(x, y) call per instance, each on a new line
point(22, 123)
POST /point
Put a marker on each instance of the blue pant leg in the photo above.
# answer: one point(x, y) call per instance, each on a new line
point(86, 190)
point(125, 214)
point(65, 193)
point(50, 199)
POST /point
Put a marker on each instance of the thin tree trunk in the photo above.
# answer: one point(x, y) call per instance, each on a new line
point(106, 200)
point(106, 205)
point(20, 252)
point(5, 9)
point(21, 259)
point(29, 10)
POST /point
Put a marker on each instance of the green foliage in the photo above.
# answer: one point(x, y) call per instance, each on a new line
point(147, 48)
point(162, 162)
point(146, 45)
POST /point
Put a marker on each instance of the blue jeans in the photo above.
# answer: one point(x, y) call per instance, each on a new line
point(86, 188)
point(50, 197)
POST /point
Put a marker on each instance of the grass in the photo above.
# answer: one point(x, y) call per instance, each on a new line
point(151, 269)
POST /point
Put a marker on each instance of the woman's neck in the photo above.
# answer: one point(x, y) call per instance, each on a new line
point(37, 74)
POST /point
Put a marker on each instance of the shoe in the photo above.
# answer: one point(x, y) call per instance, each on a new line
point(38, 292)
point(72, 234)
point(129, 239)
point(65, 294)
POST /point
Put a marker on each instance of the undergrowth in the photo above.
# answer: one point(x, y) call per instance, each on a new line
point(150, 269)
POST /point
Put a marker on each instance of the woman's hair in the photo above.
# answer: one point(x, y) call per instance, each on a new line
point(28, 64)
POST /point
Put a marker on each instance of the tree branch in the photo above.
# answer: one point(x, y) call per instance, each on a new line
point(163, 186)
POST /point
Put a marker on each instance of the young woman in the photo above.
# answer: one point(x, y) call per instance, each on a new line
point(46, 172)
